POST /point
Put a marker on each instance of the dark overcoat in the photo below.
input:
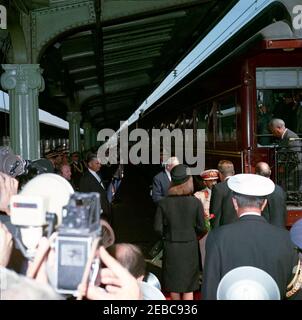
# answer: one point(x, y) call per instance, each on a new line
point(250, 241)
point(179, 220)
point(221, 204)
point(88, 183)
point(275, 210)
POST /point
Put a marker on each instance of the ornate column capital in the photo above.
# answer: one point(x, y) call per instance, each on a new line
point(86, 125)
point(22, 78)
point(74, 117)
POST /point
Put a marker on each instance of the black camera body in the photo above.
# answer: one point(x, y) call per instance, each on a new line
point(80, 227)
point(10, 163)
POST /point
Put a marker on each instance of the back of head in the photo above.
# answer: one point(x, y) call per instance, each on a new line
point(263, 169)
point(130, 257)
point(250, 189)
point(17, 287)
point(171, 163)
point(277, 124)
point(226, 168)
point(91, 156)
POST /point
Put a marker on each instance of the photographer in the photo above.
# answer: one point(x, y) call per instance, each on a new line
point(119, 283)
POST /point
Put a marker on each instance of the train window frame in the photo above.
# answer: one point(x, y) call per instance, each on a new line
point(203, 121)
point(220, 137)
point(278, 90)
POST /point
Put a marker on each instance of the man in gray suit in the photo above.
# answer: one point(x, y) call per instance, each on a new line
point(289, 156)
point(162, 180)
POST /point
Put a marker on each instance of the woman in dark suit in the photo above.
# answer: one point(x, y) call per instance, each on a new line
point(179, 222)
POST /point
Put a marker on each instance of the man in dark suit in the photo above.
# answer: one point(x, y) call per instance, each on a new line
point(162, 180)
point(275, 210)
point(250, 241)
point(221, 200)
point(92, 182)
point(288, 139)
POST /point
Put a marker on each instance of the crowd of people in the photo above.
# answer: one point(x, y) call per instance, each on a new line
point(230, 221)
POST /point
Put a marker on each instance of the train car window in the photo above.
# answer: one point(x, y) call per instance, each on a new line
point(204, 119)
point(226, 115)
point(279, 95)
point(285, 104)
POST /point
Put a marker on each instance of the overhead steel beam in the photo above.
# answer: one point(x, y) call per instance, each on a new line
point(133, 59)
point(138, 31)
point(146, 21)
point(82, 69)
point(143, 41)
point(78, 55)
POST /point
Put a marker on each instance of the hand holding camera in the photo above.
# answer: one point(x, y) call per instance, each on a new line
point(8, 188)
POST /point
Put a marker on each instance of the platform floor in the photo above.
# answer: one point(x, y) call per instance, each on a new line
point(133, 213)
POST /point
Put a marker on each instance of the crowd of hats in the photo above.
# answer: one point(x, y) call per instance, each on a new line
point(56, 152)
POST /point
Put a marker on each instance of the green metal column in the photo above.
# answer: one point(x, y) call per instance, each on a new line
point(74, 119)
point(23, 82)
point(87, 135)
point(93, 137)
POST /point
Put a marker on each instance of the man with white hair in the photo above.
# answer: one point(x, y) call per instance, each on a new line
point(249, 241)
point(288, 138)
point(161, 181)
point(289, 156)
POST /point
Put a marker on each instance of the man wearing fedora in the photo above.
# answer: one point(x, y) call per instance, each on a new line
point(249, 241)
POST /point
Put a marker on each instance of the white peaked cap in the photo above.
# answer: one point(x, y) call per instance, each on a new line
point(251, 184)
point(53, 188)
point(247, 283)
point(150, 292)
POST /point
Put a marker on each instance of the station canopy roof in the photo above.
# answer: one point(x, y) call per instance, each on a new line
point(111, 66)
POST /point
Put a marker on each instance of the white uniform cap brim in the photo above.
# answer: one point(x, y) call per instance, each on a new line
point(247, 283)
point(251, 184)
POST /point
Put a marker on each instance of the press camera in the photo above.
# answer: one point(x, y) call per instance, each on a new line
point(13, 165)
point(80, 227)
point(48, 203)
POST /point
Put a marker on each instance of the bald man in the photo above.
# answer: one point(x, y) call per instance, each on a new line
point(275, 210)
point(289, 156)
point(288, 139)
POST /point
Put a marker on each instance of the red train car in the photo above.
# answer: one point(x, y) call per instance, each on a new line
point(254, 77)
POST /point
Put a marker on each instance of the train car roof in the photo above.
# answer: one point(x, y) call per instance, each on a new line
point(274, 22)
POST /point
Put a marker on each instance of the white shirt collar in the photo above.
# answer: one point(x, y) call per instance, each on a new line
point(168, 174)
point(95, 175)
point(283, 133)
point(251, 213)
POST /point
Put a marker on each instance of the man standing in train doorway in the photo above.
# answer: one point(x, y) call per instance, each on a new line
point(288, 157)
